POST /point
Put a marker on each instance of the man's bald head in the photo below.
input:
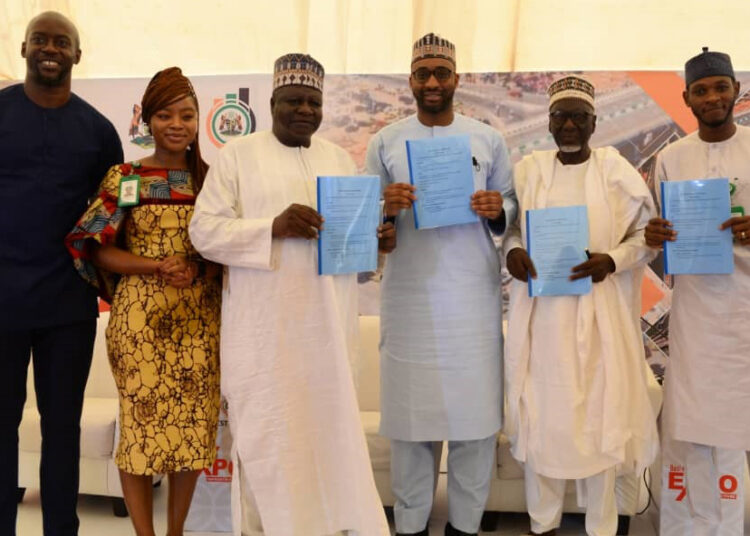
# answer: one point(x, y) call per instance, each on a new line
point(59, 18)
point(51, 49)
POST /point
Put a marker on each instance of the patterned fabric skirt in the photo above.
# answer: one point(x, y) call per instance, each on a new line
point(163, 347)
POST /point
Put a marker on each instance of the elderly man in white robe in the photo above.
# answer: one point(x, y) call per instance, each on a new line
point(576, 379)
point(441, 342)
point(287, 334)
point(706, 422)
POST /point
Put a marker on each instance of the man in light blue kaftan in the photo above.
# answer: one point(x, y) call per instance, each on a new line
point(441, 311)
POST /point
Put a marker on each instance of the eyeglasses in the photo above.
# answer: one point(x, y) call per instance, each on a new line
point(559, 117)
point(423, 74)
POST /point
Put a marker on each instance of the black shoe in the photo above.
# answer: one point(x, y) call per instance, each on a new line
point(424, 532)
point(450, 530)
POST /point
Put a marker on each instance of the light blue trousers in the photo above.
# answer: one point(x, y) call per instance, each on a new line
point(414, 473)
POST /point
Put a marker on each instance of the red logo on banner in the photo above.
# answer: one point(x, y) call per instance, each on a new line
point(220, 471)
point(676, 481)
point(728, 486)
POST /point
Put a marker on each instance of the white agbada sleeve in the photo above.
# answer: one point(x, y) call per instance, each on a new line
point(218, 229)
point(630, 252)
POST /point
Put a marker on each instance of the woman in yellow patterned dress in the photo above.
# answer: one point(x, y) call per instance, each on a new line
point(162, 337)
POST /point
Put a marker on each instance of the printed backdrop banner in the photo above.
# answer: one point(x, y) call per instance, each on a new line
point(211, 509)
point(637, 112)
point(715, 502)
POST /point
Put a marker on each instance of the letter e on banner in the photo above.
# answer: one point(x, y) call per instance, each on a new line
point(677, 481)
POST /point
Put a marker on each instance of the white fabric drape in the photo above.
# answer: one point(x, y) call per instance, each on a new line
point(138, 37)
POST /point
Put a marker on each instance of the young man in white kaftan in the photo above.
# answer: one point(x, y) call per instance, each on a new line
point(706, 419)
point(441, 310)
point(287, 334)
point(575, 369)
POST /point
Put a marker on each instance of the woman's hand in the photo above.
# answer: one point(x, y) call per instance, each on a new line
point(178, 271)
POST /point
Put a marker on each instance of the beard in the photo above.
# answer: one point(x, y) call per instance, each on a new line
point(570, 148)
point(445, 103)
point(716, 123)
point(54, 81)
point(49, 81)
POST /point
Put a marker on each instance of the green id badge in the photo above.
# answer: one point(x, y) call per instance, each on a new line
point(130, 191)
point(738, 210)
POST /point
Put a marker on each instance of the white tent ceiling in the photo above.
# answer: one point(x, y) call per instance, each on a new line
point(138, 37)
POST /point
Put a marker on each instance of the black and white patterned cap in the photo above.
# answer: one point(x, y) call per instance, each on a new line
point(298, 70)
point(571, 87)
point(433, 46)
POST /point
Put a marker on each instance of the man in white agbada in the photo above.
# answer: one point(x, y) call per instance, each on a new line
point(287, 334)
point(706, 421)
point(441, 310)
point(575, 369)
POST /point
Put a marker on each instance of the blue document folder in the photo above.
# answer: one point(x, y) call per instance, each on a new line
point(441, 170)
point(696, 209)
point(556, 240)
point(351, 208)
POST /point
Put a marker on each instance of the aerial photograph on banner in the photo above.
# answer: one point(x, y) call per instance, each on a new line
point(635, 114)
point(628, 118)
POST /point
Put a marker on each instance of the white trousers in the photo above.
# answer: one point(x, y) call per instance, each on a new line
point(544, 500)
point(414, 472)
